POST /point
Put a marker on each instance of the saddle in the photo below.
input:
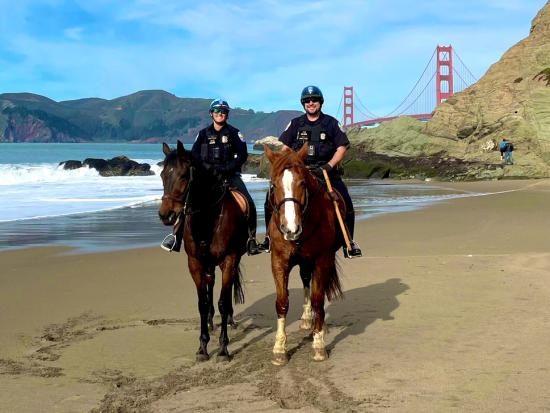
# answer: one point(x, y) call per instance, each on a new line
point(241, 200)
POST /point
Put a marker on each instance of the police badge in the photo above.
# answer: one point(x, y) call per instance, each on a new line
point(225, 139)
point(323, 136)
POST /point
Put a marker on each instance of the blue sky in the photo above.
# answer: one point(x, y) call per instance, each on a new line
point(255, 54)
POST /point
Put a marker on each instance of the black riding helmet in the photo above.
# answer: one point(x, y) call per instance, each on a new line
point(311, 92)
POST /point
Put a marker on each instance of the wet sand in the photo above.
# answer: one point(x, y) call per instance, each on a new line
point(449, 310)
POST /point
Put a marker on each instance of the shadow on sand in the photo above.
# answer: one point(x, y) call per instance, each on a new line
point(358, 309)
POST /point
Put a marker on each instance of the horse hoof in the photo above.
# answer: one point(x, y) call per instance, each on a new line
point(202, 357)
point(319, 354)
point(306, 324)
point(221, 358)
point(279, 359)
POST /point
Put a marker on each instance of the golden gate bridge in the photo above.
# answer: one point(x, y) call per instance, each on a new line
point(442, 77)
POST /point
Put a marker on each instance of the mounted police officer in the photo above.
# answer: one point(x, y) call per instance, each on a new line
point(327, 145)
point(221, 148)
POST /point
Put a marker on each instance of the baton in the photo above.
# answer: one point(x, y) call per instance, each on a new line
point(338, 215)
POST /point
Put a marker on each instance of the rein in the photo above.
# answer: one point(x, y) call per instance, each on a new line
point(189, 211)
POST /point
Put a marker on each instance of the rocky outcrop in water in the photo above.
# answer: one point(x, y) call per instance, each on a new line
point(117, 166)
point(271, 141)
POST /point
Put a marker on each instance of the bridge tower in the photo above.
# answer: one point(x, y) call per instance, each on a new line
point(444, 73)
point(348, 106)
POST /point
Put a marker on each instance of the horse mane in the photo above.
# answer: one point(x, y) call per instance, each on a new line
point(286, 160)
point(289, 159)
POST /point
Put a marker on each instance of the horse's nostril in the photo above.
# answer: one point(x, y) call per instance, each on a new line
point(298, 229)
point(284, 229)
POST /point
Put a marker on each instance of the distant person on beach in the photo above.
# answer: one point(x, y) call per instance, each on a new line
point(220, 148)
point(506, 151)
point(327, 147)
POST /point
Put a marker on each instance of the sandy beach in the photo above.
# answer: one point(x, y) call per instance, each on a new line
point(448, 310)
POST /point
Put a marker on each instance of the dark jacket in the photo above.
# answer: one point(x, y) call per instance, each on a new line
point(225, 151)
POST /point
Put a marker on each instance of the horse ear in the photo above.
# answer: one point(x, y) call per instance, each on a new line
point(166, 149)
point(269, 153)
point(302, 153)
point(181, 150)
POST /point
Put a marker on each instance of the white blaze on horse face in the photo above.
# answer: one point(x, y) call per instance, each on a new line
point(290, 212)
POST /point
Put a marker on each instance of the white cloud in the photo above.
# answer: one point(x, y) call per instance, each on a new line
point(73, 33)
point(258, 54)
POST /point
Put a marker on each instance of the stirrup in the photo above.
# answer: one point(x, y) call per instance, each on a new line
point(354, 252)
point(169, 242)
point(265, 246)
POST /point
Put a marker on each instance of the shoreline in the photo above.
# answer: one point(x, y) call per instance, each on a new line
point(129, 227)
point(448, 310)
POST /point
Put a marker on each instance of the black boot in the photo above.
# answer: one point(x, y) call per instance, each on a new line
point(353, 252)
point(265, 246)
point(252, 246)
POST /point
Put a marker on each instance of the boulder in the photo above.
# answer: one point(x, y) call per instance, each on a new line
point(117, 166)
point(71, 164)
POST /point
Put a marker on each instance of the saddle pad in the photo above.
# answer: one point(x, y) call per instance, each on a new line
point(241, 201)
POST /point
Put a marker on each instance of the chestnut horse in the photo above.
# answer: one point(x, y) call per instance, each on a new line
point(215, 234)
point(303, 232)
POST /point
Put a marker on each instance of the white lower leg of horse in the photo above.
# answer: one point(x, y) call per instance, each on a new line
point(319, 351)
point(319, 339)
point(280, 337)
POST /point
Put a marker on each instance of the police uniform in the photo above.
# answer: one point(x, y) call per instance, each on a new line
point(323, 137)
point(225, 151)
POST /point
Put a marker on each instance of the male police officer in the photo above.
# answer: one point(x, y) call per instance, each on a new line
point(221, 148)
point(327, 146)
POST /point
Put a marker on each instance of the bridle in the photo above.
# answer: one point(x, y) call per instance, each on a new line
point(184, 197)
point(276, 207)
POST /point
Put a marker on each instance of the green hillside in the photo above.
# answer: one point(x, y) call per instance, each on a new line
point(145, 116)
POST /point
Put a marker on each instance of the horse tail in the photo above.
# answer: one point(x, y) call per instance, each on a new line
point(334, 288)
point(238, 292)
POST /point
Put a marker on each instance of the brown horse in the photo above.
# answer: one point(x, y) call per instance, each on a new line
point(303, 232)
point(215, 234)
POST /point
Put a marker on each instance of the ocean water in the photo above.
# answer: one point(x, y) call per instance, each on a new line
point(42, 204)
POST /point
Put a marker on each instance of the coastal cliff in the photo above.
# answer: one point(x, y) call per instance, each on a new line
point(511, 100)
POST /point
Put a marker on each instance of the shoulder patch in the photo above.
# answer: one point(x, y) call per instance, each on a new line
point(241, 136)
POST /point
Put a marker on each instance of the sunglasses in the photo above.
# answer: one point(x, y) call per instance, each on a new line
point(222, 111)
point(311, 100)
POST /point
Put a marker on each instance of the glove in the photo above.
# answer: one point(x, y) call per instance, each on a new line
point(333, 197)
point(319, 170)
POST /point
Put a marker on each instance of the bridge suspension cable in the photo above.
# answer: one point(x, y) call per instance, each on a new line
point(425, 94)
point(413, 88)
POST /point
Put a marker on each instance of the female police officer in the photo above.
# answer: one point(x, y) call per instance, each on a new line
point(327, 146)
point(221, 148)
